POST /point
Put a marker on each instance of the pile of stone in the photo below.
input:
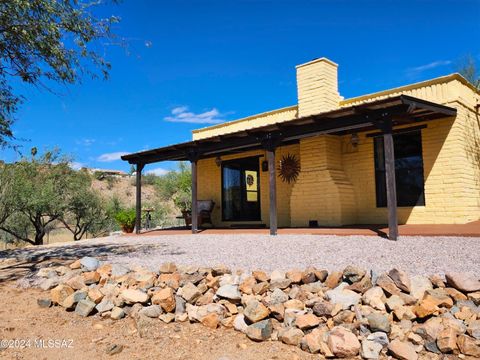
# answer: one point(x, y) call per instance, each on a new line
point(338, 314)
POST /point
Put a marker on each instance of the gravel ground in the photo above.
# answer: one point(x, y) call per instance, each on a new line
point(417, 255)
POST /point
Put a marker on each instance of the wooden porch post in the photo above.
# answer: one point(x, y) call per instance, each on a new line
point(138, 200)
point(272, 181)
point(390, 182)
point(194, 197)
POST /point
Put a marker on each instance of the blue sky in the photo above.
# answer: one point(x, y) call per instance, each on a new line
point(193, 63)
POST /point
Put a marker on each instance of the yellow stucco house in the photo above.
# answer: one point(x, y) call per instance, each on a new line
point(409, 155)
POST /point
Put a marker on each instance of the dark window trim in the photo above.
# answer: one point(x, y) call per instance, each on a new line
point(408, 130)
point(226, 162)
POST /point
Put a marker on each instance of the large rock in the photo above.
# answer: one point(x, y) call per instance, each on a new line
point(152, 311)
point(229, 292)
point(165, 298)
point(474, 329)
point(255, 311)
point(463, 282)
point(387, 284)
point(419, 285)
point(343, 343)
point(447, 340)
point(72, 299)
point(333, 279)
point(342, 296)
point(132, 296)
point(105, 305)
point(239, 323)
point(85, 307)
point(370, 349)
point(168, 268)
point(375, 297)
point(401, 279)
point(59, 293)
point(246, 286)
point(313, 342)
point(291, 336)
point(306, 321)
point(89, 263)
point(378, 322)
point(260, 331)
point(190, 292)
point(468, 346)
point(278, 297)
point(323, 308)
point(352, 274)
point(402, 350)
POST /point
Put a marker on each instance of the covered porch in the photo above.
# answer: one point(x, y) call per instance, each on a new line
point(382, 118)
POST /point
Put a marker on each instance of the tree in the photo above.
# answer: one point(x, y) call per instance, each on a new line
point(176, 185)
point(36, 196)
point(468, 70)
point(84, 211)
point(43, 42)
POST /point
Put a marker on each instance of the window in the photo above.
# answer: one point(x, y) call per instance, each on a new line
point(240, 190)
point(408, 170)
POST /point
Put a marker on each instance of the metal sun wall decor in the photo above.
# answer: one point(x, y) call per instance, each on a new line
point(289, 168)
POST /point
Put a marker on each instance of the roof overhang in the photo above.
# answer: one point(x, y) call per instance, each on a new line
point(400, 110)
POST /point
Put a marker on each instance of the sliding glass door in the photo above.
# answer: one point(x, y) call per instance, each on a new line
point(241, 190)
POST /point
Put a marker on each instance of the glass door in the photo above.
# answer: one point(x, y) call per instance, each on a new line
point(241, 190)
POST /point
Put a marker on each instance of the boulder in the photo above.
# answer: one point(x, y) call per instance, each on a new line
point(468, 346)
point(165, 298)
point(255, 311)
point(353, 274)
point(71, 300)
point(291, 336)
point(119, 270)
point(379, 337)
point(91, 277)
point(260, 276)
point(375, 297)
point(342, 296)
point(152, 311)
point(104, 305)
point(401, 279)
point(323, 308)
point(343, 343)
point(190, 292)
point(463, 282)
point(260, 331)
point(447, 340)
point(419, 285)
point(277, 297)
point(370, 349)
point(85, 307)
point(295, 276)
point(210, 320)
point(402, 350)
point(306, 321)
point(220, 270)
point(132, 296)
point(378, 322)
point(246, 286)
point(88, 263)
point(313, 341)
point(59, 293)
point(229, 292)
point(333, 279)
point(239, 323)
point(117, 313)
point(361, 286)
point(388, 285)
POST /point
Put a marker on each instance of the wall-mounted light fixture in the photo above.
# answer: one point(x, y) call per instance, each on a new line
point(354, 140)
point(218, 161)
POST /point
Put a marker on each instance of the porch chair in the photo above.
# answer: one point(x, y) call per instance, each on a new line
point(205, 208)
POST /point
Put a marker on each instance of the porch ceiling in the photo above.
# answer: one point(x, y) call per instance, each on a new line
point(400, 110)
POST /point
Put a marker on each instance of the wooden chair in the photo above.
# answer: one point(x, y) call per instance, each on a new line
point(205, 208)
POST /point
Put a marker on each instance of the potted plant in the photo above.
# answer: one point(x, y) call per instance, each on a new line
point(126, 220)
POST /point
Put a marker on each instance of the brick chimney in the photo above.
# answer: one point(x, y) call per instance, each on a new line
point(317, 87)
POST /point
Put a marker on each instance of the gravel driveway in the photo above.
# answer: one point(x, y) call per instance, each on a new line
point(419, 255)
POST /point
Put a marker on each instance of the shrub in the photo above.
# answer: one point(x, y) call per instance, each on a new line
point(126, 219)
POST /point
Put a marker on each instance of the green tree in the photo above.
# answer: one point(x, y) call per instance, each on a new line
point(176, 185)
point(36, 196)
point(468, 69)
point(84, 212)
point(43, 42)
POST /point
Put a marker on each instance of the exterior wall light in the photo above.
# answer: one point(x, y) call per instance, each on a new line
point(218, 161)
point(354, 140)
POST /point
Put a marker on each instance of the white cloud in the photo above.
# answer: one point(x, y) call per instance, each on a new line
point(76, 165)
point(85, 142)
point(181, 114)
point(158, 171)
point(109, 157)
point(429, 66)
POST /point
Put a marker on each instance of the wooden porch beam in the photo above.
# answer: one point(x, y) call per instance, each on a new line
point(390, 182)
point(193, 155)
point(138, 199)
